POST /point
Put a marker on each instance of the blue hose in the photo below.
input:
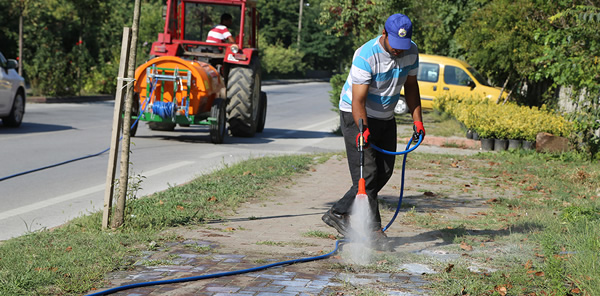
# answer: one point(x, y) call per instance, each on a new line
point(216, 275)
point(263, 267)
point(75, 159)
point(163, 109)
point(405, 152)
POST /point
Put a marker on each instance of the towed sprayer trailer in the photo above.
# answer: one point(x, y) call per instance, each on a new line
point(189, 81)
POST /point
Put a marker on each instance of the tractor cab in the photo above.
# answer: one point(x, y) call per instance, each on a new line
point(188, 23)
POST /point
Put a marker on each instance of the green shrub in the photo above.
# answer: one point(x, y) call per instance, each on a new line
point(507, 121)
point(279, 60)
point(337, 83)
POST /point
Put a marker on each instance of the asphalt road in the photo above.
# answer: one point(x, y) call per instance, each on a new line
point(299, 120)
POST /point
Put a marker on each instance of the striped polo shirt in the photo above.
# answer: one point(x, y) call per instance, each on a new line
point(218, 34)
point(385, 75)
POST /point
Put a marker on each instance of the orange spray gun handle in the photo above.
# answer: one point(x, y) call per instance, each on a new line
point(361, 143)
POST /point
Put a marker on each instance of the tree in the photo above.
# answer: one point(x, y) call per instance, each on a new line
point(279, 21)
point(571, 57)
point(436, 21)
point(323, 51)
point(499, 39)
point(361, 20)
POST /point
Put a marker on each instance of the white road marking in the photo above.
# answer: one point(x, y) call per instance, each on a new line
point(308, 127)
point(77, 194)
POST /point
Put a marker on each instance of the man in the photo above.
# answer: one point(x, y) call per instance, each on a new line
point(380, 68)
point(220, 33)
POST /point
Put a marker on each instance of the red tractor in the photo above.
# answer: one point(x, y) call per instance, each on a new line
point(192, 81)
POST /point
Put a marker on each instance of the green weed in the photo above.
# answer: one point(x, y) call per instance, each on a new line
point(271, 243)
point(318, 233)
point(75, 258)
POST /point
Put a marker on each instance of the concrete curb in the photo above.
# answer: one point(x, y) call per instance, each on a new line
point(449, 142)
point(71, 99)
point(96, 98)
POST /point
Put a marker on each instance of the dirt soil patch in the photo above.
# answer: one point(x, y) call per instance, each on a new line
point(284, 225)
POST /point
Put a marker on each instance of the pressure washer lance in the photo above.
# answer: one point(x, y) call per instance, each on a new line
point(362, 192)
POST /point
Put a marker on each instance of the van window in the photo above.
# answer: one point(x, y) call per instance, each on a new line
point(456, 76)
point(478, 76)
point(428, 72)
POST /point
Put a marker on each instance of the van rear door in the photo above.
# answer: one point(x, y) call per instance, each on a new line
point(429, 78)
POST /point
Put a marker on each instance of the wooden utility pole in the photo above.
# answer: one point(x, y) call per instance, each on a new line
point(21, 12)
point(300, 22)
point(119, 217)
point(116, 129)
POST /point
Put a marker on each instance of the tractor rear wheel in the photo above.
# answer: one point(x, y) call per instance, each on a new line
point(262, 112)
point(243, 90)
point(217, 129)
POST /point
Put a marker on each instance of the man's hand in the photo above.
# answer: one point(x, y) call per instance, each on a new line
point(366, 135)
point(419, 130)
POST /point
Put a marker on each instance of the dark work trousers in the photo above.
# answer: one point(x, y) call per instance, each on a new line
point(378, 167)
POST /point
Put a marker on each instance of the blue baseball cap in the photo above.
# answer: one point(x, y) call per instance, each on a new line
point(399, 30)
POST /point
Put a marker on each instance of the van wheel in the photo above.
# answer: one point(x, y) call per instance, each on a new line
point(401, 106)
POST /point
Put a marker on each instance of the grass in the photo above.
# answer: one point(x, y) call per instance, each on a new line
point(319, 234)
point(75, 258)
point(436, 124)
point(540, 234)
point(271, 243)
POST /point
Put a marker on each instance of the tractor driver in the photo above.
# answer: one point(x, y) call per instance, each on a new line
point(220, 33)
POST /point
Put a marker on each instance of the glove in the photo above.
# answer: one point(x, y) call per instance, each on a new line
point(419, 130)
point(366, 134)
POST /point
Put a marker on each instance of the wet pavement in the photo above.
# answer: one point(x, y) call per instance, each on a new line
point(181, 260)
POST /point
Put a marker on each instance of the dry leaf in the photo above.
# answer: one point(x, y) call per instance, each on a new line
point(540, 273)
point(331, 236)
point(501, 290)
point(466, 246)
point(528, 264)
point(180, 208)
point(229, 229)
point(576, 291)
point(454, 164)
point(160, 202)
point(429, 193)
point(246, 173)
point(69, 249)
point(449, 267)
point(212, 198)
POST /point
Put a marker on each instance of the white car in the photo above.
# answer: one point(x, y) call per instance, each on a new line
point(12, 93)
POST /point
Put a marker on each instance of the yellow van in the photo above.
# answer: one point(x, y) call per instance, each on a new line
point(438, 74)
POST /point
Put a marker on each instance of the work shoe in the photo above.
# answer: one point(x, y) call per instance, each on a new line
point(337, 221)
point(381, 242)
